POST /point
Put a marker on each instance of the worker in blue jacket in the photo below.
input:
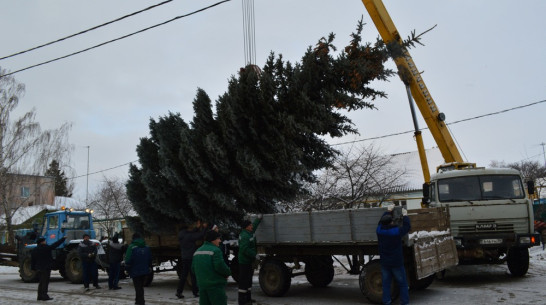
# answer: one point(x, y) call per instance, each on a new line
point(389, 238)
point(138, 261)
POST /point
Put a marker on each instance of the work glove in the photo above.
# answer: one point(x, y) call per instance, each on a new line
point(390, 207)
point(260, 216)
point(258, 256)
point(404, 212)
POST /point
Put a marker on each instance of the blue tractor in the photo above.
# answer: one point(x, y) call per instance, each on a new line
point(65, 223)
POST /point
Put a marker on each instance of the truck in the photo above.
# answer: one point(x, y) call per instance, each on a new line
point(491, 214)
point(57, 224)
point(316, 238)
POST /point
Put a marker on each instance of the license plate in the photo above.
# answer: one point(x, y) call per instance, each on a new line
point(490, 241)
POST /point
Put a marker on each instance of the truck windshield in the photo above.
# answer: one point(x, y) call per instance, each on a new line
point(76, 222)
point(474, 188)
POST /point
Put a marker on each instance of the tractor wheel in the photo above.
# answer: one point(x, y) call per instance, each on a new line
point(73, 267)
point(27, 274)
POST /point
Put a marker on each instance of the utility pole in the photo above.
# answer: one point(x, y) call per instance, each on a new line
point(87, 183)
point(543, 152)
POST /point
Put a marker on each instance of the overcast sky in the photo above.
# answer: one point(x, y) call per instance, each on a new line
point(483, 57)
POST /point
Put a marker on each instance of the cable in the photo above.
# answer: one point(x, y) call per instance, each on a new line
point(116, 39)
point(85, 31)
point(104, 170)
point(455, 122)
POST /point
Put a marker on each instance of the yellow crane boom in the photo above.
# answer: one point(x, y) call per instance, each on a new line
point(411, 76)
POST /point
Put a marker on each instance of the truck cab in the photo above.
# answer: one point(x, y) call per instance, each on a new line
point(491, 215)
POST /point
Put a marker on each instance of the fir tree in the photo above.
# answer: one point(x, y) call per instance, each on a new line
point(61, 184)
point(265, 140)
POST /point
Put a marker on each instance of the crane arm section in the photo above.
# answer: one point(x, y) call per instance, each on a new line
point(411, 76)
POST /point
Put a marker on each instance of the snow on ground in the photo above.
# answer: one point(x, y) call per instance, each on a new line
point(484, 284)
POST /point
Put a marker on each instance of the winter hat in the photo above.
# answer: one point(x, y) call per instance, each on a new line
point(386, 219)
point(136, 236)
point(211, 235)
point(246, 223)
point(40, 240)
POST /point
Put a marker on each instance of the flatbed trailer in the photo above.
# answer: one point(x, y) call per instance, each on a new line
point(316, 238)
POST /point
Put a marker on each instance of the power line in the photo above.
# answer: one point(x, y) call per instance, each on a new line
point(104, 170)
point(116, 39)
point(452, 123)
point(88, 30)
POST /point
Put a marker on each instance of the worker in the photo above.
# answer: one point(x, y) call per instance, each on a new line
point(138, 261)
point(211, 271)
point(115, 256)
point(88, 252)
point(389, 238)
point(247, 256)
point(42, 261)
point(188, 238)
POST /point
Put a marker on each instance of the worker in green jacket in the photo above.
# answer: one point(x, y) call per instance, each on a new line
point(211, 271)
point(247, 255)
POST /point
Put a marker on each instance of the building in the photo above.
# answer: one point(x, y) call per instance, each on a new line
point(30, 190)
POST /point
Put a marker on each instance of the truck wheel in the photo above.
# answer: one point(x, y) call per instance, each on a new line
point(319, 271)
point(234, 267)
point(25, 272)
point(148, 279)
point(73, 267)
point(518, 261)
point(371, 285)
point(275, 278)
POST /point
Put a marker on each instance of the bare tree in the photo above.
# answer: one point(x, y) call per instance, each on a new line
point(359, 174)
point(25, 149)
point(110, 202)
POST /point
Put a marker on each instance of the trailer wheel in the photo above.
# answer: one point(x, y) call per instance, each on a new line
point(319, 271)
point(25, 272)
point(234, 268)
point(415, 284)
point(518, 261)
point(275, 278)
point(73, 267)
point(371, 285)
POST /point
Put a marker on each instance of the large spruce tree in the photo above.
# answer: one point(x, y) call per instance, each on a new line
point(265, 140)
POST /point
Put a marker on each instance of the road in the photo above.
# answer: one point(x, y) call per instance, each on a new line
point(461, 285)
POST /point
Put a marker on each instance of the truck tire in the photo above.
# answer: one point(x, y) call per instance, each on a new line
point(73, 267)
point(275, 278)
point(319, 270)
point(25, 272)
point(518, 261)
point(371, 285)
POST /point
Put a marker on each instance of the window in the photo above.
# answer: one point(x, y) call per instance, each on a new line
point(25, 191)
point(487, 187)
point(53, 222)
